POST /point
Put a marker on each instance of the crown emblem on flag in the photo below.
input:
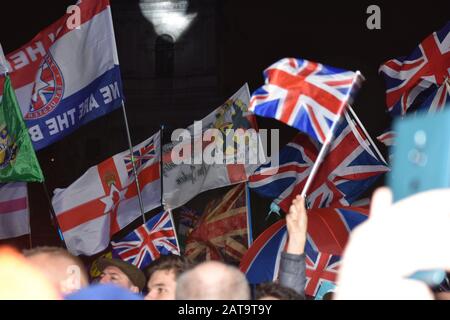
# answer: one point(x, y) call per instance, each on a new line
point(109, 178)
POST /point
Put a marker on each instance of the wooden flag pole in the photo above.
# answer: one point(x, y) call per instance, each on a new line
point(136, 178)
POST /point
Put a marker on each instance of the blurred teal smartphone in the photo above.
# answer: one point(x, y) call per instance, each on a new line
point(421, 162)
point(421, 155)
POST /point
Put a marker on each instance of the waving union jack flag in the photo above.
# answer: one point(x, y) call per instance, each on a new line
point(141, 157)
point(305, 95)
point(147, 243)
point(328, 233)
point(350, 168)
point(421, 80)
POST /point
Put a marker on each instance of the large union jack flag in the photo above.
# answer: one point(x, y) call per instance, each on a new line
point(222, 231)
point(306, 95)
point(328, 234)
point(141, 157)
point(350, 168)
point(147, 243)
point(420, 81)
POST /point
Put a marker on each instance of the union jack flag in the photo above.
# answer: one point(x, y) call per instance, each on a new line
point(147, 243)
point(141, 157)
point(320, 267)
point(350, 168)
point(328, 233)
point(421, 80)
point(305, 95)
point(387, 138)
point(222, 232)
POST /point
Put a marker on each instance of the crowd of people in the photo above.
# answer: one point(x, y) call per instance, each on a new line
point(397, 240)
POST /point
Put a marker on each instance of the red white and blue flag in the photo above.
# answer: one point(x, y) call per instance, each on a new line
point(328, 234)
point(320, 267)
point(350, 168)
point(141, 157)
point(420, 81)
point(14, 212)
point(105, 200)
point(149, 242)
point(306, 95)
point(66, 76)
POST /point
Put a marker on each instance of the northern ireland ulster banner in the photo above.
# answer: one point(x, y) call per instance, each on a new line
point(68, 75)
point(105, 199)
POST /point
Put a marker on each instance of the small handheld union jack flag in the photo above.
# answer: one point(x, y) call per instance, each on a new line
point(306, 95)
point(147, 243)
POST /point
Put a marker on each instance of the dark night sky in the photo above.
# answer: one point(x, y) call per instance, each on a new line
point(254, 34)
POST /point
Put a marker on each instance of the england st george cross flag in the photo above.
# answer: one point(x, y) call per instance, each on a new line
point(66, 77)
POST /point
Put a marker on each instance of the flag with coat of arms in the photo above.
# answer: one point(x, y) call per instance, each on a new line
point(18, 161)
point(182, 182)
point(105, 199)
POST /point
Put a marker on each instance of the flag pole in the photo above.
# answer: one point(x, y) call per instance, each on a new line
point(447, 83)
point(326, 146)
point(366, 133)
point(323, 152)
point(161, 164)
point(30, 239)
point(54, 217)
point(249, 216)
point(136, 178)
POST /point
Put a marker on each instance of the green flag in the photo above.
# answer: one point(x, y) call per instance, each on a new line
point(18, 162)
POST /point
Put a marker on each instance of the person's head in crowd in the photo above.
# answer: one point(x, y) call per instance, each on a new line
point(213, 281)
point(121, 273)
point(64, 270)
point(162, 277)
point(20, 280)
point(107, 292)
point(275, 291)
